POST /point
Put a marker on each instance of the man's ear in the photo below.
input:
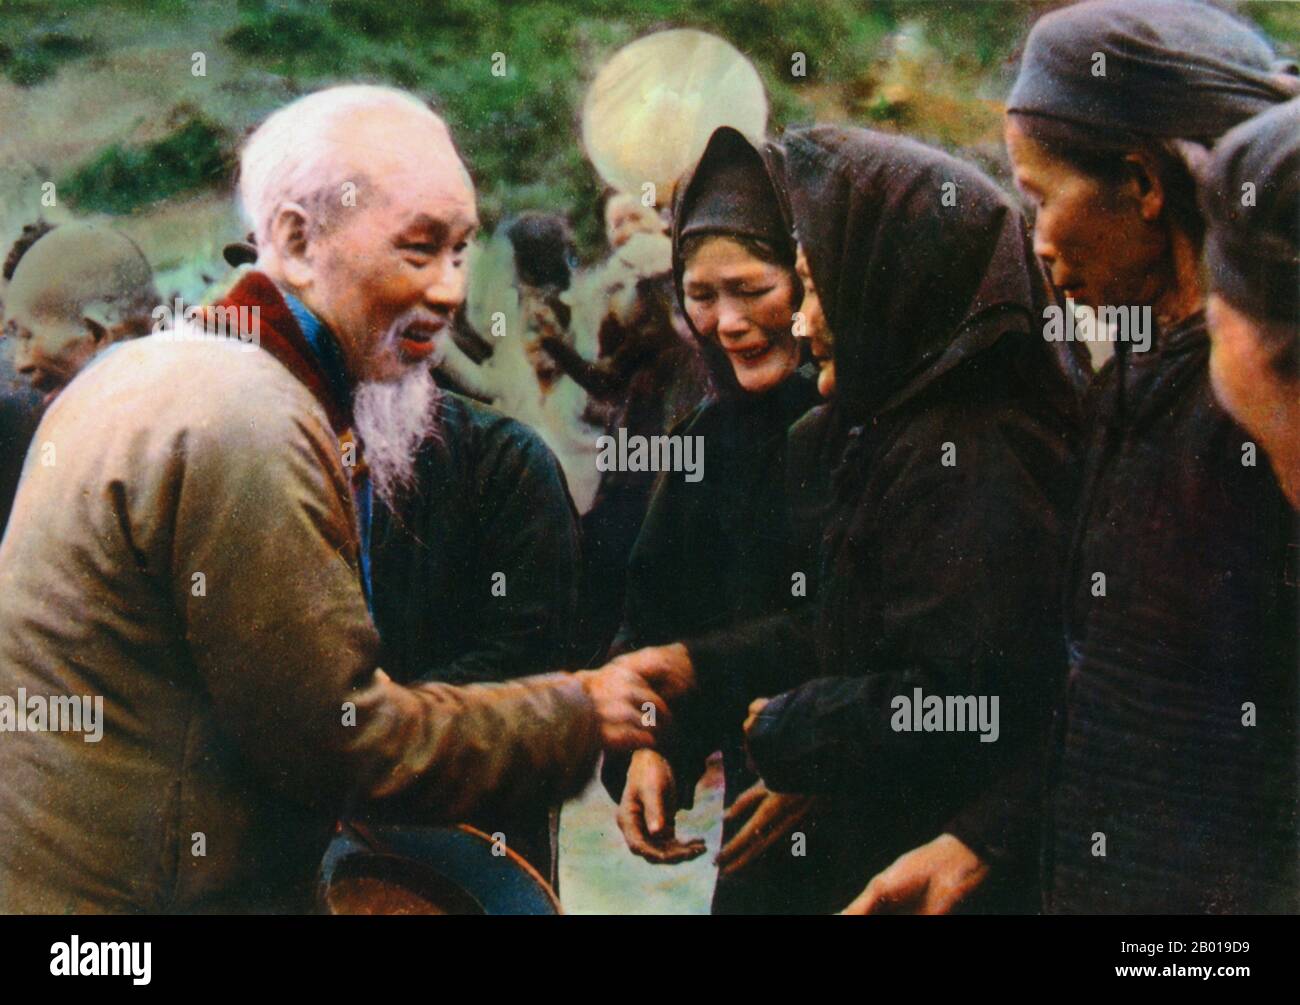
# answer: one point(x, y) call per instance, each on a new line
point(289, 239)
point(99, 324)
point(1145, 184)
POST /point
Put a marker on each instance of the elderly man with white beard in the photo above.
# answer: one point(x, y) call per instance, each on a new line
point(184, 546)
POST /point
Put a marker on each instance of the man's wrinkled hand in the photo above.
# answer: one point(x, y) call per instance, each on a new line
point(667, 669)
point(771, 818)
point(647, 809)
point(931, 879)
point(631, 713)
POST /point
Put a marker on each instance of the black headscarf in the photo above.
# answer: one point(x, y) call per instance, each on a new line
point(1171, 69)
point(920, 263)
point(1252, 247)
point(730, 193)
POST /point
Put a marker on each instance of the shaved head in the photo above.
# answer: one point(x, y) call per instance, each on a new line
point(81, 267)
point(77, 289)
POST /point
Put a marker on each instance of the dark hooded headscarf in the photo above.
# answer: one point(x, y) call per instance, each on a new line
point(730, 193)
point(1162, 68)
point(920, 263)
point(1252, 247)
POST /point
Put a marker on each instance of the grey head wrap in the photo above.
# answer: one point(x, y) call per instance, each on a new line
point(1163, 68)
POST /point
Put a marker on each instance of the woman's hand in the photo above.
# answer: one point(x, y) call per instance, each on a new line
point(755, 709)
point(647, 810)
point(932, 879)
point(771, 817)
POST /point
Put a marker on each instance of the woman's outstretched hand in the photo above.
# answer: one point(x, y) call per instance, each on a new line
point(931, 879)
point(648, 809)
point(769, 817)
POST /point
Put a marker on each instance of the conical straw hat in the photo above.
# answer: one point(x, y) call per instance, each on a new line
point(652, 107)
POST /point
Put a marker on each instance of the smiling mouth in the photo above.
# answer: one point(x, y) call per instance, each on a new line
point(750, 355)
point(419, 341)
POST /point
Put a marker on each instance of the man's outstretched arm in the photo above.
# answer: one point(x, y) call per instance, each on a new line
point(284, 641)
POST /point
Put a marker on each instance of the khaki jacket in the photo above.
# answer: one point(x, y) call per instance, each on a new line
point(183, 546)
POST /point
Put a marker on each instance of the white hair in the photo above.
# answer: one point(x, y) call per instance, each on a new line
point(293, 157)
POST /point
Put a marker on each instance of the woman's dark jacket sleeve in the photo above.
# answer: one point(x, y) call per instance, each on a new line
point(946, 581)
point(712, 560)
point(764, 656)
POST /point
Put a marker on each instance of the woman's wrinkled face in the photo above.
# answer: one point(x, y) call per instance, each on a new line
point(1099, 243)
point(811, 323)
point(746, 305)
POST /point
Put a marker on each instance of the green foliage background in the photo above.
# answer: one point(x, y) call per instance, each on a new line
point(519, 133)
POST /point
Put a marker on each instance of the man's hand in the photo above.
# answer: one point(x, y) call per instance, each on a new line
point(646, 812)
point(932, 879)
point(772, 816)
point(667, 668)
point(630, 712)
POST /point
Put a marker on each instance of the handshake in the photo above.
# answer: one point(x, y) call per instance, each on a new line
point(632, 694)
point(658, 675)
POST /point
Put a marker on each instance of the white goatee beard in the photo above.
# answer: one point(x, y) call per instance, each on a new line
point(393, 419)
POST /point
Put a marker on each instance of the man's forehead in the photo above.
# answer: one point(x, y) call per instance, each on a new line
point(28, 295)
point(37, 294)
point(433, 197)
point(440, 219)
point(397, 143)
point(433, 189)
point(39, 315)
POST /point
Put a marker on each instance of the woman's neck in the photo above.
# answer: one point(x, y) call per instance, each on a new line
point(1183, 295)
point(1284, 450)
